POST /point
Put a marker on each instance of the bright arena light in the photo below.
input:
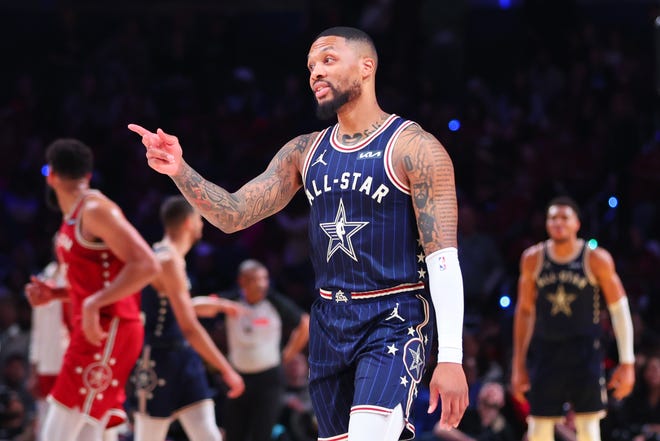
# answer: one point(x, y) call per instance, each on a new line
point(592, 243)
point(454, 125)
point(505, 301)
point(613, 201)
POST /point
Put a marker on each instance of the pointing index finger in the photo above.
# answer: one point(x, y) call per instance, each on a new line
point(138, 129)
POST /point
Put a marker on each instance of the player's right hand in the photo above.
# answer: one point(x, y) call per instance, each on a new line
point(519, 384)
point(450, 385)
point(38, 292)
point(235, 383)
point(164, 153)
point(91, 322)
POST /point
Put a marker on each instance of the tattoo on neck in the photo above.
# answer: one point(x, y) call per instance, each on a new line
point(359, 136)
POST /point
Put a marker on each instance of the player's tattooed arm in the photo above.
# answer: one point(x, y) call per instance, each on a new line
point(261, 197)
point(422, 162)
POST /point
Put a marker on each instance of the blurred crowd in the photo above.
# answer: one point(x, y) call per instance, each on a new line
point(539, 99)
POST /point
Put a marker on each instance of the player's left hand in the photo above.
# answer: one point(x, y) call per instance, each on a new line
point(91, 322)
point(622, 381)
point(449, 383)
point(38, 292)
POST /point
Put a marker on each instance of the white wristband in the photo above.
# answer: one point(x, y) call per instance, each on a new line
point(623, 329)
point(446, 286)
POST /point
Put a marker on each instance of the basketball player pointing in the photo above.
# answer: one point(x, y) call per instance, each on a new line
point(383, 223)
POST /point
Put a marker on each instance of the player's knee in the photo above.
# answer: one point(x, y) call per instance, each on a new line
point(540, 429)
point(587, 427)
point(367, 426)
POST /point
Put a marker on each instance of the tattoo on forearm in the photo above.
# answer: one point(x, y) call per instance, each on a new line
point(261, 197)
point(212, 201)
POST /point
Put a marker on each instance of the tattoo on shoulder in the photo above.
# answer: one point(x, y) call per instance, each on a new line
point(302, 142)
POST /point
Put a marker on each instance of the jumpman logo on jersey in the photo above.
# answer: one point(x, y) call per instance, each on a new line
point(340, 231)
point(395, 314)
point(319, 160)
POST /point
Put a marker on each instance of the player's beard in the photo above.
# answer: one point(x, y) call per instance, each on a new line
point(51, 199)
point(328, 109)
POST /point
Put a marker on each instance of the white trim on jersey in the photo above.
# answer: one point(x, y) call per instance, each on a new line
point(310, 154)
point(389, 168)
point(337, 145)
point(78, 229)
point(404, 287)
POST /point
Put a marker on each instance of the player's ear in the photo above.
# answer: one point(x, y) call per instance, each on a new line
point(368, 66)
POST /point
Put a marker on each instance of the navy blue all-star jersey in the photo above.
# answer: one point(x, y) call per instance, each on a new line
point(169, 375)
point(362, 225)
point(371, 326)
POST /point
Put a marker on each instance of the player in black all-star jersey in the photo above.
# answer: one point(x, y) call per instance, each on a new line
point(557, 320)
point(383, 232)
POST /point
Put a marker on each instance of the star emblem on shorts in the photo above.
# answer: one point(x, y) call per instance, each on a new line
point(391, 349)
point(340, 231)
point(97, 377)
point(417, 360)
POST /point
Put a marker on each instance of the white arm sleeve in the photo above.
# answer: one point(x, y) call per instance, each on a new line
point(446, 286)
point(623, 329)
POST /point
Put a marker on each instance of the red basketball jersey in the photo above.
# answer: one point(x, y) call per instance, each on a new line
point(90, 266)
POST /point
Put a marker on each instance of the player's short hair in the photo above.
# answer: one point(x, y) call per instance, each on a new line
point(70, 158)
point(174, 211)
point(566, 201)
point(350, 34)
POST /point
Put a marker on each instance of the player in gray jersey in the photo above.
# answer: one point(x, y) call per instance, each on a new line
point(363, 390)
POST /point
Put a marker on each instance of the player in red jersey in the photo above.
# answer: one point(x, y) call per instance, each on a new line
point(106, 263)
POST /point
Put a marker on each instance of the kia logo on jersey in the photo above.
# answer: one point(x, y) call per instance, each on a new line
point(370, 155)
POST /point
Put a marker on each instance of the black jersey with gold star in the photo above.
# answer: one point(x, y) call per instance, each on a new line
point(568, 298)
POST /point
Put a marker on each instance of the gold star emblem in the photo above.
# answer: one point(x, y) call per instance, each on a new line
point(561, 302)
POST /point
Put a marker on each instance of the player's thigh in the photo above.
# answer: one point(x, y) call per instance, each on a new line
point(147, 428)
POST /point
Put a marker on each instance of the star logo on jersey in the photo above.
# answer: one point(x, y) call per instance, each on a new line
point(340, 231)
point(561, 302)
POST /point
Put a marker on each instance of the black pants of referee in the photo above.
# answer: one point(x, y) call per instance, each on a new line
point(251, 416)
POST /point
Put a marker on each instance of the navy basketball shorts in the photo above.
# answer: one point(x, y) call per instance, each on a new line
point(367, 355)
point(566, 372)
point(168, 380)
